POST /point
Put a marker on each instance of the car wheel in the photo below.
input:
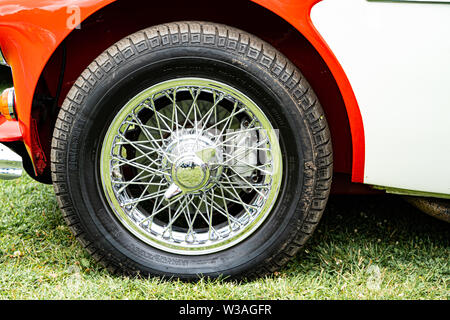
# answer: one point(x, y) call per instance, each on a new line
point(192, 149)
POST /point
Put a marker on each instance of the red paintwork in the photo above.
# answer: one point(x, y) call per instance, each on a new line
point(30, 31)
point(9, 130)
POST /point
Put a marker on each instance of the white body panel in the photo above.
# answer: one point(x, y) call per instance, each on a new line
point(397, 59)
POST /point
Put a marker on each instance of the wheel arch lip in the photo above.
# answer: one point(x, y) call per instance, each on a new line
point(22, 20)
point(298, 14)
point(38, 27)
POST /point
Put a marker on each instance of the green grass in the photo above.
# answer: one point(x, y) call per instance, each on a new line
point(365, 248)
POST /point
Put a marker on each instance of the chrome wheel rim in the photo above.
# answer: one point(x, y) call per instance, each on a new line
point(191, 166)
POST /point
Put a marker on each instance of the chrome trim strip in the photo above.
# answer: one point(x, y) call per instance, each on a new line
point(406, 192)
point(11, 103)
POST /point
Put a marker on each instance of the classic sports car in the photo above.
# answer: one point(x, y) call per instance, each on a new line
point(186, 138)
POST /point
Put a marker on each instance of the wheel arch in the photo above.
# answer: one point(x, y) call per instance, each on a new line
point(285, 26)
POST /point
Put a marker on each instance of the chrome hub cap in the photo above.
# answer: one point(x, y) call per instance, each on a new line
point(191, 166)
point(190, 173)
point(189, 156)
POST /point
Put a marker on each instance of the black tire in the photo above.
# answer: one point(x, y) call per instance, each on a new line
point(192, 49)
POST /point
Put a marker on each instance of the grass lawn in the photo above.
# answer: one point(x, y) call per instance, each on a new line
point(365, 248)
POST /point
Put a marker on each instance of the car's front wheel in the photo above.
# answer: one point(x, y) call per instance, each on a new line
point(192, 149)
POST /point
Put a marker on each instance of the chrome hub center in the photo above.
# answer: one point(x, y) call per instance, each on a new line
point(190, 159)
point(190, 173)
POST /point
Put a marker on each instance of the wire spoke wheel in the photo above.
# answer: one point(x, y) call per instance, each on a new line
point(191, 166)
point(192, 149)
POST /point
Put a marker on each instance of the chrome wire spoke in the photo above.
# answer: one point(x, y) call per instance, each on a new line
point(158, 116)
point(246, 164)
point(211, 111)
point(191, 223)
point(227, 120)
point(150, 128)
point(246, 182)
point(175, 110)
point(138, 166)
point(190, 110)
point(238, 200)
point(135, 180)
point(180, 210)
point(143, 155)
point(241, 153)
point(195, 107)
point(226, 184)
point(142, 183)
point(148, 135)
point(154, 195)
point(141, 143)
point(190, 166)
point(142, 195)
point(219, 209)
point(154, 213)
point(138, 147)
point(240, 131)
point(233, 135)
point(225, 206)
point(235, 194)
point(208, 218)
